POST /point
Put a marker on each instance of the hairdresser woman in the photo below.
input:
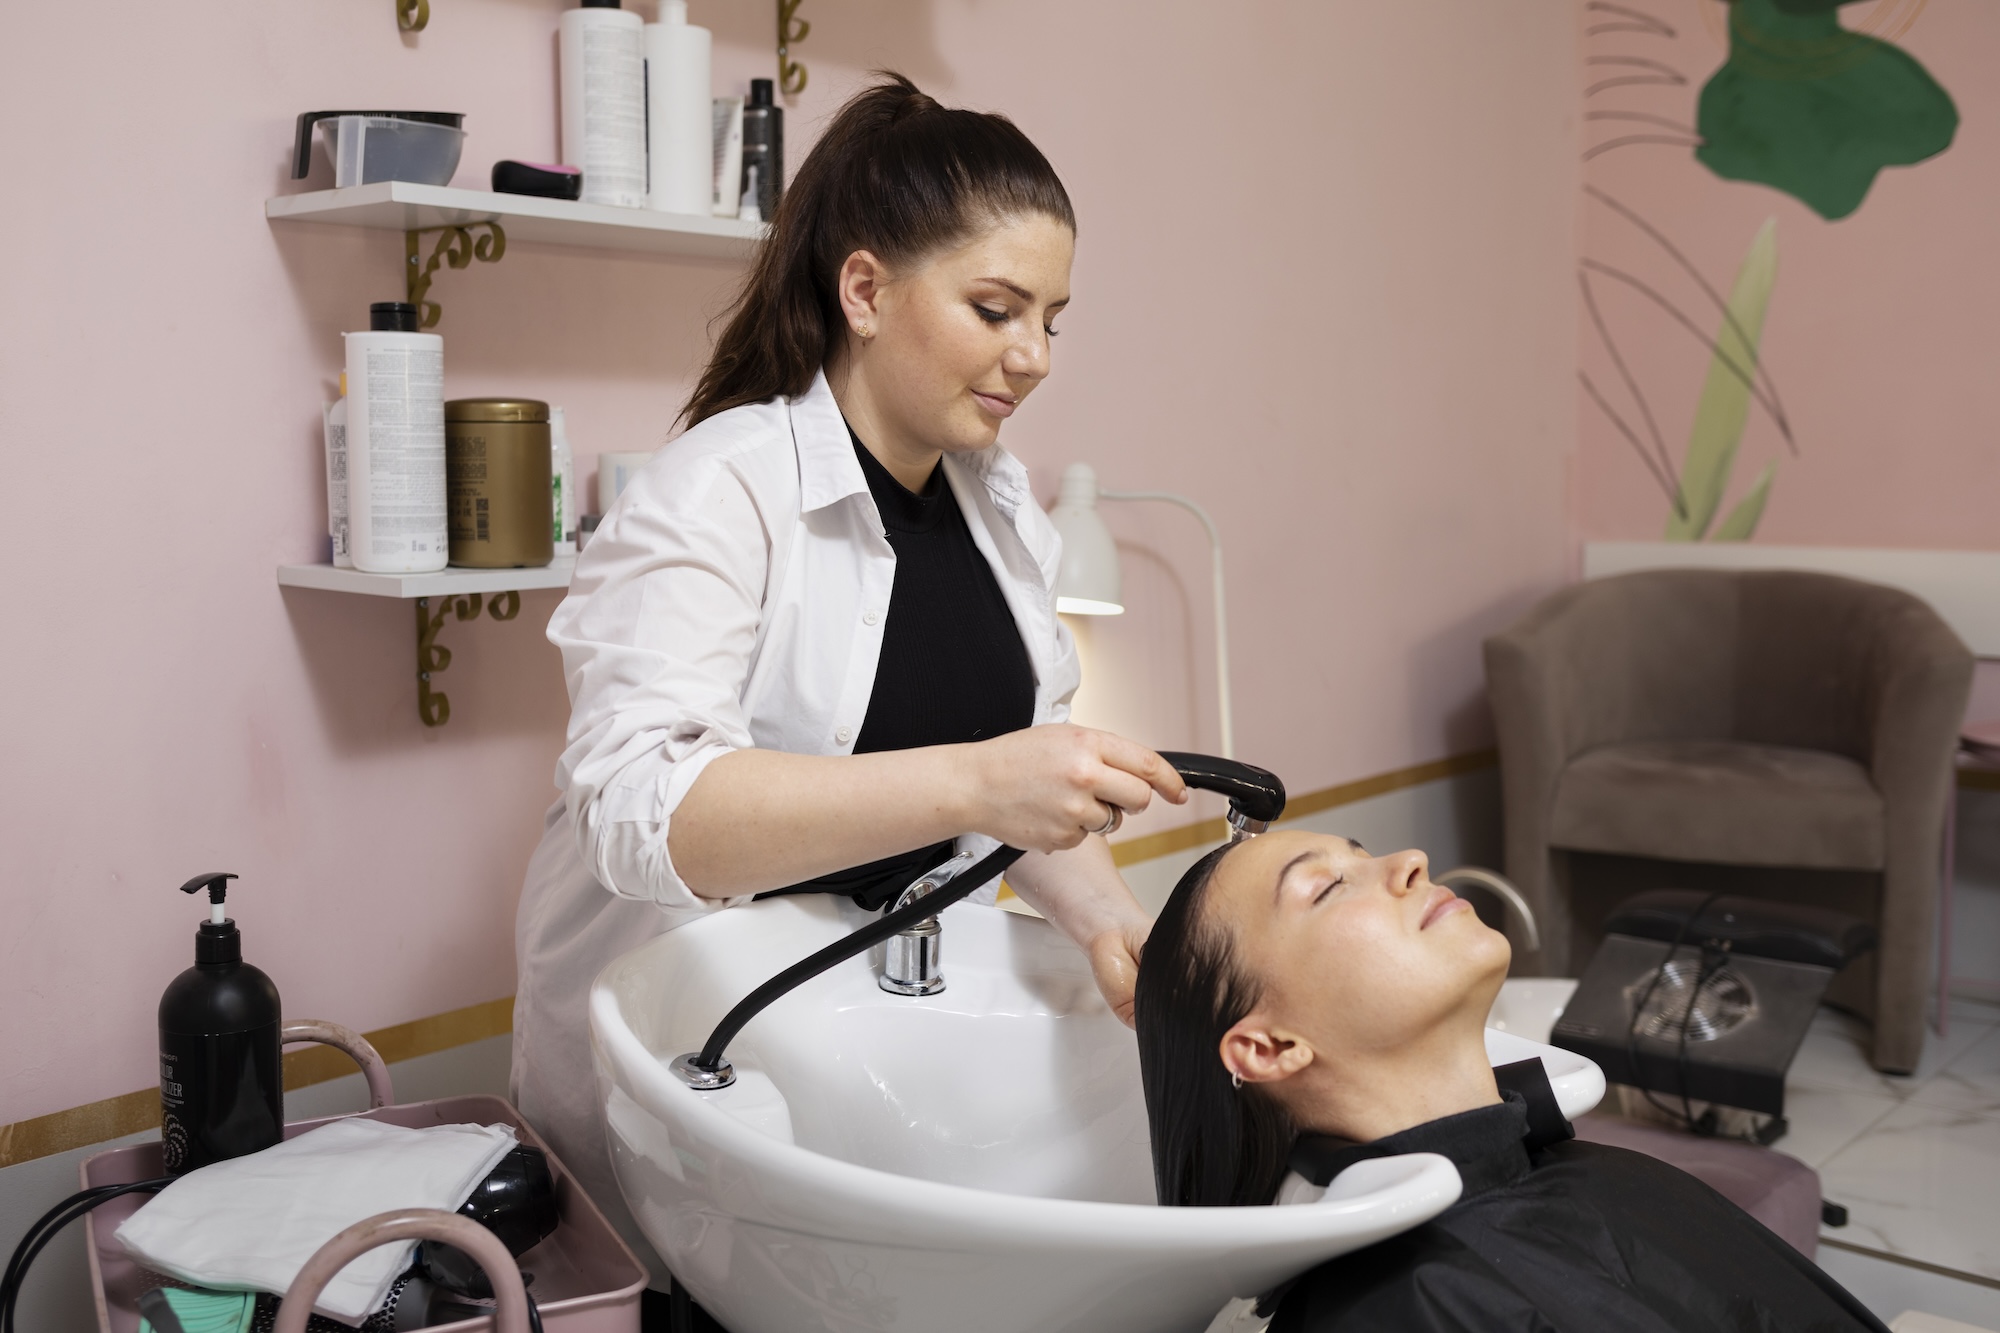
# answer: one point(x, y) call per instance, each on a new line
point(814, 642)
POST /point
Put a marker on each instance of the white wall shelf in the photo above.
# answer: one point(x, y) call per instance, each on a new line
point(459, 592)
point(406, 207)
point(444, 583)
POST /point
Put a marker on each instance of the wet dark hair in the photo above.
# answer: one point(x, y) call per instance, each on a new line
point(1213, 1144)
point(896, 174)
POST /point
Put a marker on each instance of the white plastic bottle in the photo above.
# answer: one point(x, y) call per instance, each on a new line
point(602, 67)
point(680, 114)
point(395, 444)
point(563, 472)
point(335, 420)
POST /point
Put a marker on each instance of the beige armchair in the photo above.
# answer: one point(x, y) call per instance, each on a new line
point(1680, 726)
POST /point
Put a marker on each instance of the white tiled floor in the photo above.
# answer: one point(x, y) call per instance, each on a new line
point(1915, 1160)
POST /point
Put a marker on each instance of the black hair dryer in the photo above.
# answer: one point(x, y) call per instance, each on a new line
point(517, 1203)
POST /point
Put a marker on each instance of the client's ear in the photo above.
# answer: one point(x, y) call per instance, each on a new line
point(1257, 1053)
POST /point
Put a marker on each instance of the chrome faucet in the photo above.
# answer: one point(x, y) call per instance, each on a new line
point(910, 966)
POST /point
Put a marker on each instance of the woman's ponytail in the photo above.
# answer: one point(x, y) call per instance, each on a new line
point(895, 173)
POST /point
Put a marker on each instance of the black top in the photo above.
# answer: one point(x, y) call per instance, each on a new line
point(1557, 1236)
point(953, 667)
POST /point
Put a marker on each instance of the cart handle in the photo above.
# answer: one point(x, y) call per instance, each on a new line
point(510, 1297)
point(373, 1067)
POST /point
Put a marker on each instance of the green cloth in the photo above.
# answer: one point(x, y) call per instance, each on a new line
point(197, 1311)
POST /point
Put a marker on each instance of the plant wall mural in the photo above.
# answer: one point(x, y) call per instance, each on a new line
point(1800, 104)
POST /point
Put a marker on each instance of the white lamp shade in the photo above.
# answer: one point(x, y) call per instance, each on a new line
point(1088, 584)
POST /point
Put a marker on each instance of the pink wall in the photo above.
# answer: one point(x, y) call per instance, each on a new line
point(1321, 284)
point(1881, 333)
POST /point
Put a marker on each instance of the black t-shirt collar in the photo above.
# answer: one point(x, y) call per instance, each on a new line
point(1489, 1145)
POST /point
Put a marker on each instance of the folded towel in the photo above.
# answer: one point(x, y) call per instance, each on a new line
point(250, 1223)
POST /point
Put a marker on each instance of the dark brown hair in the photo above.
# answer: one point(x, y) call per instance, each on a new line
point(1213, 1144)
point(894, 173)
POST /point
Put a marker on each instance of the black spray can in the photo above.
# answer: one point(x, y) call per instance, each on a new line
point(221, 1087)
point(764, 148)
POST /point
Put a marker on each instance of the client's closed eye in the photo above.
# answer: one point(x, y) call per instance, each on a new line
point(1320, 897)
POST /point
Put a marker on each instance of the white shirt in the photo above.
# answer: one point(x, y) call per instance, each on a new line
point(734, 597)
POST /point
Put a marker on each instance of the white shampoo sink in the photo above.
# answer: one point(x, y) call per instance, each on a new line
point(973, 1161)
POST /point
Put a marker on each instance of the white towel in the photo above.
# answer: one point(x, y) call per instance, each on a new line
point(250, 1223)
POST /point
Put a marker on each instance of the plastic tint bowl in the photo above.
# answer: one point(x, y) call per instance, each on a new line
point(366, 149)
point(586, 1280)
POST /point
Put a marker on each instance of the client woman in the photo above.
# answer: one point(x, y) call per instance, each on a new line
point(1302, 1005)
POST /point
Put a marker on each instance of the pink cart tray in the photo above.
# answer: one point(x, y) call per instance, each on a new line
point(586, 1280)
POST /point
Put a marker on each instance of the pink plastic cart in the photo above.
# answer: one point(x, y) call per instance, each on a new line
point(585, 1279)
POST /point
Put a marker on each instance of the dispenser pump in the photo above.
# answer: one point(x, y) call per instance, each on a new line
point(217, 943)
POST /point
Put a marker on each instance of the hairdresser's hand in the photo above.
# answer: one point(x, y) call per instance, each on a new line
point(1046, 788)
point(1114, 963)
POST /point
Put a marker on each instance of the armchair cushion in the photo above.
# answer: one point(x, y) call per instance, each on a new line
point(1732, 802)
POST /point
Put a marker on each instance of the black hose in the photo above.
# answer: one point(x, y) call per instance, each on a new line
point(893, 923)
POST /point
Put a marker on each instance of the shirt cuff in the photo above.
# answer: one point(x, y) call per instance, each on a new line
point(632, 859)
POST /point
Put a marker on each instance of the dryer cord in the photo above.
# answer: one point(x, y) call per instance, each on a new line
point(45, 1229)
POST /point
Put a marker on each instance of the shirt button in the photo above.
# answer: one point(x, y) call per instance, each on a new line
point(843, 735)
point(870, 618)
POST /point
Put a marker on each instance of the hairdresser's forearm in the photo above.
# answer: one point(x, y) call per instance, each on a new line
point(761, 819)
point(1080, 891)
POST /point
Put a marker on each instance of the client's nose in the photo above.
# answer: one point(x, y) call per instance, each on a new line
point(1406, 870)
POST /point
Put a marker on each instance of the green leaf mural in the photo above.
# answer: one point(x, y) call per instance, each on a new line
point(1742, 520)
point(1725, 405)
point(1813, 109)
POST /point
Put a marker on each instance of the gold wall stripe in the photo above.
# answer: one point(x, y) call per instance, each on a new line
point(134, 1112)
point(1168, 841)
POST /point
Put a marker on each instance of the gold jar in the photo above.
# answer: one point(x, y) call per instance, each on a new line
point(497, 476)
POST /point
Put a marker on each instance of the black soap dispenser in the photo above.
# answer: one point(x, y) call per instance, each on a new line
point(221, 1090)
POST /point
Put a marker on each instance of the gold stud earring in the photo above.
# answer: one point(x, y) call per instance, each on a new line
point(864, 330)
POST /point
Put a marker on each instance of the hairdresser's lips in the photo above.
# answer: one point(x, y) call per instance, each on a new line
point(999, 407)
point(1443, 903)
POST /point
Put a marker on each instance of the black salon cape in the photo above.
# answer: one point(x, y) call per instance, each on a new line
point(1555, 1235)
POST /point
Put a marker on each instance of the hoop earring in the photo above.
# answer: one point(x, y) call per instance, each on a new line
point(1235, 1080)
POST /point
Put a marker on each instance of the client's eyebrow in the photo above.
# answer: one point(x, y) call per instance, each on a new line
point(1278, 892)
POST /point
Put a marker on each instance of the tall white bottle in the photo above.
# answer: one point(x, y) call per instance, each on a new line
point(395, 444)
point(680, 116)
point(602, 58)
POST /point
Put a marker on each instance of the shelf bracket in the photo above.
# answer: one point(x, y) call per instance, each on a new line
point(455, 246)
point(413, 15)
point(791, 29)
point(433, 657)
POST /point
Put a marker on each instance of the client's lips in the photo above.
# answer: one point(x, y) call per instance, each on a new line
point(1443, 902)
point(998, 406)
